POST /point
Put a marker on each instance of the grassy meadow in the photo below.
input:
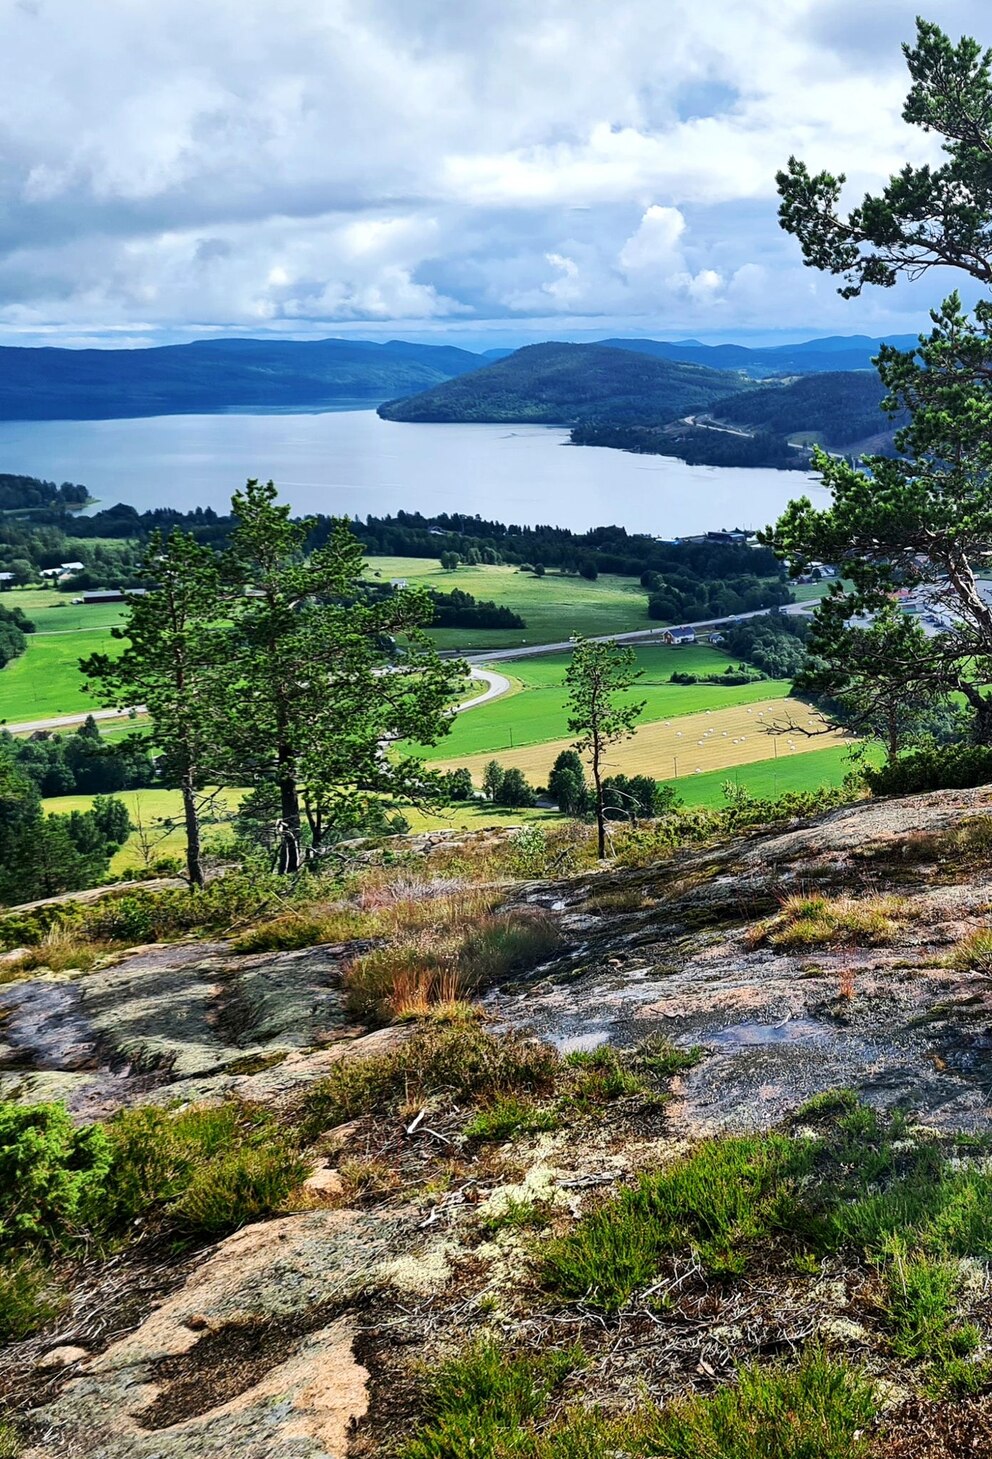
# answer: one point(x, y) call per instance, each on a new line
point(553, 607)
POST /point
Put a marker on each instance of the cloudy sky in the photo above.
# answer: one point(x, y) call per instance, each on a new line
point(472, 171)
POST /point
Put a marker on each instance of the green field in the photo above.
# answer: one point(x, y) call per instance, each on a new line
point(56, 613)
point(553, 607)
point(45, 680)
point(767, 779)
point(535, 711)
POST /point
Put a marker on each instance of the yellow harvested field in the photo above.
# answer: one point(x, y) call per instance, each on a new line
point(717, 739)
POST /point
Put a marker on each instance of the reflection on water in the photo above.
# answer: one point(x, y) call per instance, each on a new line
point(352, 463)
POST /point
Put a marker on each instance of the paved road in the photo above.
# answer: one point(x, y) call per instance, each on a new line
point(496, 684)
point(66, 721)
point(640, 635)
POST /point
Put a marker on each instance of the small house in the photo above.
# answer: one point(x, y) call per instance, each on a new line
point(677, 636)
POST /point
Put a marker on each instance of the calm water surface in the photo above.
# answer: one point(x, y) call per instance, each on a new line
point(352, 463)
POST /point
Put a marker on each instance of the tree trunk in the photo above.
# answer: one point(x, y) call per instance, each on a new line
point(600, 816)
point(194, 863)
point(289, 813)
point(981, 730)
point(892, 748)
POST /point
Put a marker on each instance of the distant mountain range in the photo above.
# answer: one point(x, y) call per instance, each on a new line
point(838, 352)
point(217, 375)
point(558, 382)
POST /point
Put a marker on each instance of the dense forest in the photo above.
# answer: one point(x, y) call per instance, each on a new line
point(627, 397)
point(558, 384)
point(838, 408)
point(14, 624)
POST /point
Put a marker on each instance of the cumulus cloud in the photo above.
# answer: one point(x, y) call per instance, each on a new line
point(180, 167)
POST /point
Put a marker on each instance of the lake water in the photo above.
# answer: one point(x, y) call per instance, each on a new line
point(351, 463)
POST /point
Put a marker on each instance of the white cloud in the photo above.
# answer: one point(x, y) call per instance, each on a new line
point(182, 164)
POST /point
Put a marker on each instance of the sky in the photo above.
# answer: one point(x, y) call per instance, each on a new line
point(476, 172)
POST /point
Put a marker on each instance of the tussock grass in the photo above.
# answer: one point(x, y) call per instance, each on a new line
point(497, 1406)
point(818, 921)
point(616, 899)
point(445, 955)
point(61, 949)
point(465, 1062)
point(366, 1178)
point(974, 952)
point(202, 1171)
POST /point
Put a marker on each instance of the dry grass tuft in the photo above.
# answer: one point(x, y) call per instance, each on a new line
point(818, 921)
point(974, 952)
point(60, 950)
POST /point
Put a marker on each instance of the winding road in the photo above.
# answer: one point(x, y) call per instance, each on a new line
point(496, 684)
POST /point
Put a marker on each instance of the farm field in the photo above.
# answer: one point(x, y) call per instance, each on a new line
point(716, 739)
point(770, 778)
point(554, 607)
point(45, 679)
point(160, 814)
point(534, 711)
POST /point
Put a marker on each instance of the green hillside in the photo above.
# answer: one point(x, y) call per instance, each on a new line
point(557, 384)
point(837, 408)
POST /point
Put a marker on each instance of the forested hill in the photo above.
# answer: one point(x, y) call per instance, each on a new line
point(210, 376)
point(559, 384)
point(838, 409)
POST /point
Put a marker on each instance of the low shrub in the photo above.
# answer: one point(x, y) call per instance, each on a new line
point(921, 1309)
point(463, 1061)
point(722, 1200)
point(53, 1175)
point(29, 1298)
point(821, 1409)
point(482, 1401)
point(499, 1406)
point(203, 1170)
point(303, 927)
point(602, 1074)
point(516, 1216)
point(933, 767)
point(237, 1187)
